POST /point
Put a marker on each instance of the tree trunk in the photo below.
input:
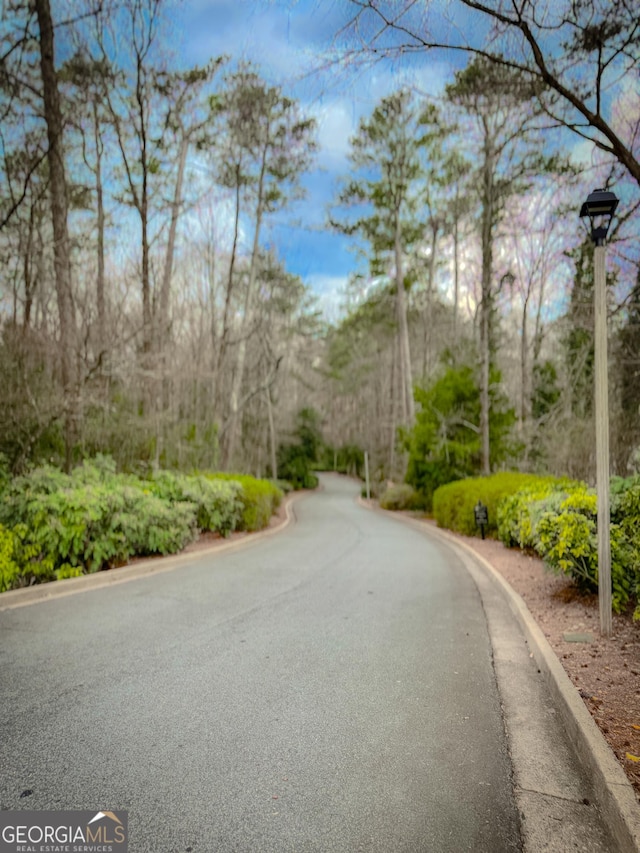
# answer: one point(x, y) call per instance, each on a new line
point(233, 428)
point(456, 270)
point(28, 278)
point(272, 436)
point(102, 318)
point(524, 378)
point(407, 405)
point(221, 348)
point(486, 305)
point(163, 314)
point(393, 396)
point(430, 290)
point(59, 212)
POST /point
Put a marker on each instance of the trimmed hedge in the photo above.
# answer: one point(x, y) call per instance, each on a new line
point(453, 503)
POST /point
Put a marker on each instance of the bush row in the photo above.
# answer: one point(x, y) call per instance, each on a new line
point(260, 499)
point(453, 504)
point(54, 525)
point(557, 519)
point(560, 524)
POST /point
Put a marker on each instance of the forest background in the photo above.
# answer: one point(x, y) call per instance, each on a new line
point(149, 311)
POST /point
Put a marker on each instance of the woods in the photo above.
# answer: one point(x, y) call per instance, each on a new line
point(144, 313)
point(149, 313)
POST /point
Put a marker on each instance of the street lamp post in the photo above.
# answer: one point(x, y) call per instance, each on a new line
point(599, 209)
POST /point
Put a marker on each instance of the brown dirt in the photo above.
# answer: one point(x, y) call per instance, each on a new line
point(606, 672)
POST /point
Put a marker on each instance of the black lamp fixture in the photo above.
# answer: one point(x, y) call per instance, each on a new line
point(599, 208)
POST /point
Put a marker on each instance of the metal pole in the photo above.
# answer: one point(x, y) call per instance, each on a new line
point(602, 441)
point(366, 474)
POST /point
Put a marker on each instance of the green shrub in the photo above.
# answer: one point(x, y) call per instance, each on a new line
point(81, 528)
point(54, 525)
point(444, 444)
point(219, 505)
point(566, 539)
point(401, 496)
point(149, 525)
point(628, 517)
point(453, 504)
point(259, 498)
point(518, 513)
point(295, 466)
point(9, 569)
point(66, 525)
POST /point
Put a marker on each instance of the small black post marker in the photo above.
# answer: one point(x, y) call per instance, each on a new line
point(481, 514)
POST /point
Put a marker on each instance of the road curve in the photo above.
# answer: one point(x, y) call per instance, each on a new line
point(328, 689)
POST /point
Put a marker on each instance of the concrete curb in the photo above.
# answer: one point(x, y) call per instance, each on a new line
point(154, 565)
point(613, 790)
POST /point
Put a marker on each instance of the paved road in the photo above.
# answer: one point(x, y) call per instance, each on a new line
point(327, 689)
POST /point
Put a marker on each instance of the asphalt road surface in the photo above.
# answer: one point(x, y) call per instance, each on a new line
point(330, 688)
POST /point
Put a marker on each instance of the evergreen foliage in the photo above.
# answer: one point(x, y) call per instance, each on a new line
point(55, 525)
point(297, 459)
point(444, 445)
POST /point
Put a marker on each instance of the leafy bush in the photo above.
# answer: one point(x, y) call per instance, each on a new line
point(444, 444)
point(558, 518)
point(453, 504)
point(566, 539)
point(76, 527)
point(148, 525)
point(518, 513)
point(54, 525)
point(9, 569)
point(219, 505)
point(628, 517)
point(259, 499)
point(297, 459)
point(401, 496)
point(295, 466)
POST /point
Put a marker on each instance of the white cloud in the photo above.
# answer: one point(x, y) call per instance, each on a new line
point(330, 290)
point(336, 126)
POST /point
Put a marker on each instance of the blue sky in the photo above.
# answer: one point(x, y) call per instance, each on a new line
point(301, 46)
point(297, 45)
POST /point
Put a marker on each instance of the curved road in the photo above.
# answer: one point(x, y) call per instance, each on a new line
point(327, 689)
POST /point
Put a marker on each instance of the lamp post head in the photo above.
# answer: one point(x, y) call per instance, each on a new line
point(599, 209)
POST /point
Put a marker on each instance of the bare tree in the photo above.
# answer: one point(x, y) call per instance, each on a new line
point(59, 213)
point(577, 52)
point(499, 107)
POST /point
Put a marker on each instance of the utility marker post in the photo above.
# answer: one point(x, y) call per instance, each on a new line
point(366, 474)
point(602, 441)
